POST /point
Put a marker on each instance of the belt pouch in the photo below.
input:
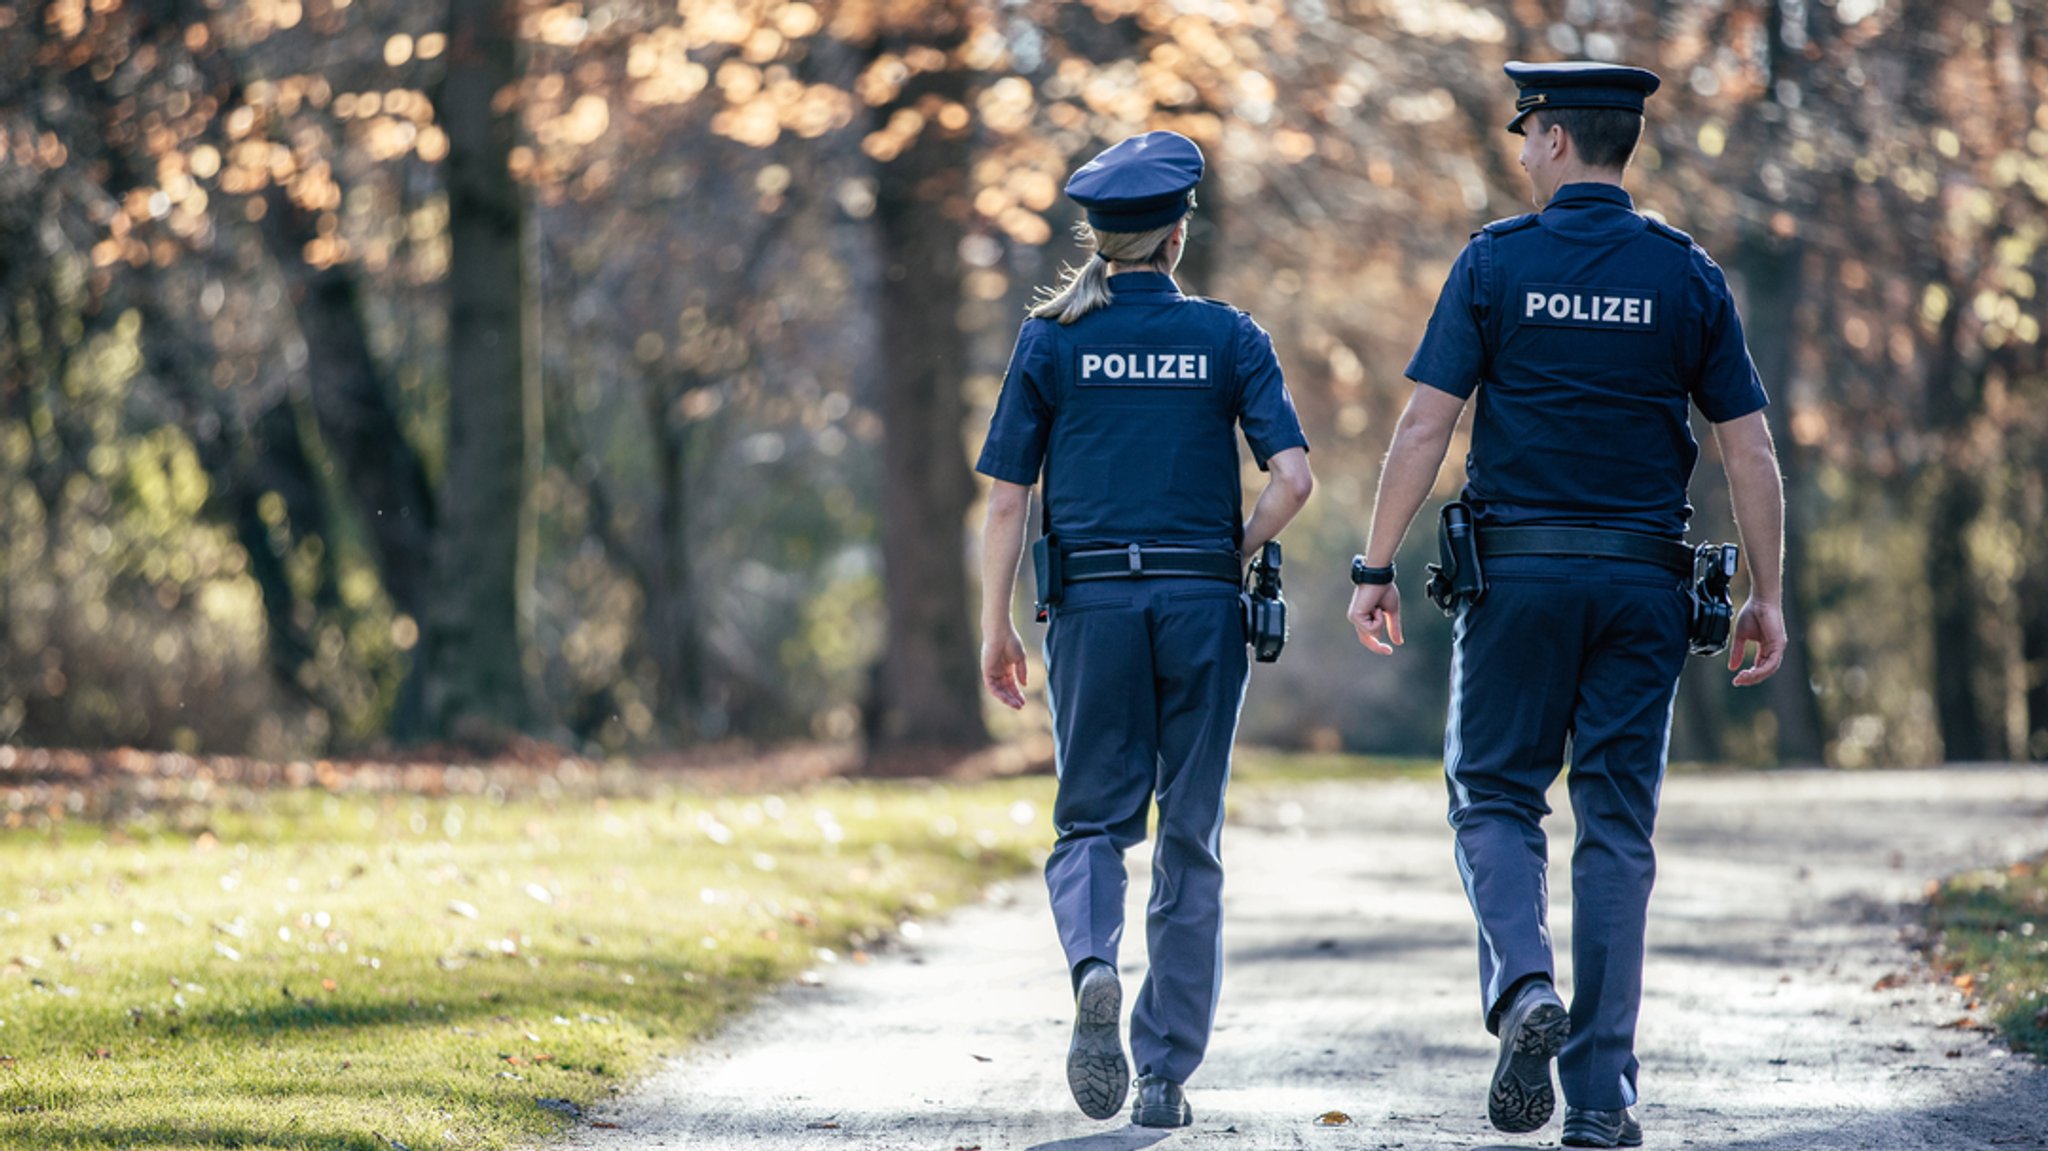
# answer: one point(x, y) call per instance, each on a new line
point(1046, 567)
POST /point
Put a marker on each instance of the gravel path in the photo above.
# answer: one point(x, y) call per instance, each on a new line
point(1350, 987)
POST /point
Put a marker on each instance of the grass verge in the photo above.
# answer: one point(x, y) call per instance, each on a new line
point(325, 972)
point(1990, 933)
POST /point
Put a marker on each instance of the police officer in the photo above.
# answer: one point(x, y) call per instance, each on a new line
point(1586, 329)
point(1127, 397)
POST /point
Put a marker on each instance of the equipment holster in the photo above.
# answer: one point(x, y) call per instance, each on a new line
point(1265, 612)
point(1712, 612)
point(1046, 567)
point(1457, 577)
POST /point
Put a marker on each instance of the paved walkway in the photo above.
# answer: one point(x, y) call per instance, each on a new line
point(1350, 987)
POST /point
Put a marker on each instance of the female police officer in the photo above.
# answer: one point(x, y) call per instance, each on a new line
point(1128, 395)
point(1587, 330)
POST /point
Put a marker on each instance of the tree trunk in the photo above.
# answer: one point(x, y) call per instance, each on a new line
point(2033, 611)
point(1770, 270)
point(355, 405)
point(928, 692)
point(672, 610)
point(1959, 650)
point(475, 685)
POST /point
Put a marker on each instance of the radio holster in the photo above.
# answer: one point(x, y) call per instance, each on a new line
point(1047, 569)
point(1456, 578)
point(1711, 612)
point(1265, 612)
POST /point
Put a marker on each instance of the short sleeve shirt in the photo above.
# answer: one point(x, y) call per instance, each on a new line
point(1588, 333)
point(1132, 415)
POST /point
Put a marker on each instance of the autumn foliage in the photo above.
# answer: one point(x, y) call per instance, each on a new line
point(770, 257)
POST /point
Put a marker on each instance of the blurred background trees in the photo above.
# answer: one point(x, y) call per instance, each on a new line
point(609, 370)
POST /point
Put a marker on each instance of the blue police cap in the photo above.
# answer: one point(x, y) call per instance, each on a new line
point(1577, 84)
point(1145, 182)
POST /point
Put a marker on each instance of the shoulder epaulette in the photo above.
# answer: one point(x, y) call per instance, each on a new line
point(1511, 224)
point(1668, 232)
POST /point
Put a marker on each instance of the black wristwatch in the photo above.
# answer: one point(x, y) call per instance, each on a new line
point(1361, 573)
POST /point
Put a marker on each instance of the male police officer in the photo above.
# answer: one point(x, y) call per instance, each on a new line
point(1128, 395)
point(1586, 330)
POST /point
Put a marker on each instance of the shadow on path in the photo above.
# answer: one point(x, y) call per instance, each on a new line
point(1129, 1137)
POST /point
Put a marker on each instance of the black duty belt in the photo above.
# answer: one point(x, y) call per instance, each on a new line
point(1135, 562)
point(1672, 555)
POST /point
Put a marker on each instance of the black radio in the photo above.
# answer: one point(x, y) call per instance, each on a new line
point(1265, 613)
point(1711, 611)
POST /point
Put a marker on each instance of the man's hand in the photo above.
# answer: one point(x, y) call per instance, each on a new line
point(1003, 668)
point(1374, 606)
point(1762, 624)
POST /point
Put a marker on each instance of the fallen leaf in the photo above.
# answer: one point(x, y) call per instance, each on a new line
point(822, 1125)
point(1333, 1119)
point(1955, 1053)
point(1889, 982)
point(100, 1053)
point(605, 1125)
point(329, 985)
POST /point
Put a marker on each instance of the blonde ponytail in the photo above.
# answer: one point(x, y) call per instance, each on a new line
point(1086, 288)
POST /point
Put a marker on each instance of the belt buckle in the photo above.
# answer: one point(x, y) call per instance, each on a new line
point(1137, 560)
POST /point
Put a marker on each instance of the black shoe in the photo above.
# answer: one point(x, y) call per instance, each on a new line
point(1532, 1030)
point(1584, 1127)
point(1096, 1068)
point(1161, 1103)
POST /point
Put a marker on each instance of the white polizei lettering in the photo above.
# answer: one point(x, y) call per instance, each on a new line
point(1632, 311)
point(1579, 311)
point(1187, 366)
point(1113, 366)
point(1090, 364)
point(1613, 312)
point(1533, 304)
point(1204, 360)
point(1560, 306)
point(1170, 367)
point(1646, 310)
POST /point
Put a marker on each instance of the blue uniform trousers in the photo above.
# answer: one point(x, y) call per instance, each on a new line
point(1146, 680)
point(1581, 654)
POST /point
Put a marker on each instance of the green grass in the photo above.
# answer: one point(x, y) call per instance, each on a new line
point(1262, 767)
point(1992, 937)
point(320, 972)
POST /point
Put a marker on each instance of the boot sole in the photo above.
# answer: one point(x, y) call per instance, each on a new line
point(1522, 1098)
point(1097, 1071)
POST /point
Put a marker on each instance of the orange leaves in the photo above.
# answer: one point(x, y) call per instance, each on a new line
point(1007, 105)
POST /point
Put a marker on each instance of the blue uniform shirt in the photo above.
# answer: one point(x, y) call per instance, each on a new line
point(1592, 328)
point(1132, 413)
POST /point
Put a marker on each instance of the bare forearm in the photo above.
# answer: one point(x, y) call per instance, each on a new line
point(1002, 545)
point(1757, 492)
point(1285, 495)
point(1413, 459)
